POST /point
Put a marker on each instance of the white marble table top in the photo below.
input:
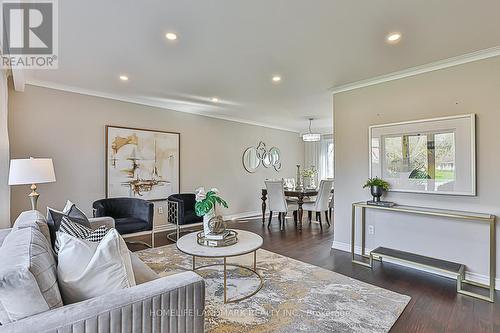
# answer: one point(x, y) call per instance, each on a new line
point(247, 242)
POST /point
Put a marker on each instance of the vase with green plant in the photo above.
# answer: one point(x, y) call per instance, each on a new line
point(377, 187)
point(308, 177)
point(206, 206)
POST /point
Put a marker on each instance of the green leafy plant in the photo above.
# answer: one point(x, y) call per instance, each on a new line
point(377, 182)
point(419, 174)
point(308, 172)
point(206, 201)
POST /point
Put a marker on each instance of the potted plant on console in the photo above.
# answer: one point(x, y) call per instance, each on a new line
point(377, 188)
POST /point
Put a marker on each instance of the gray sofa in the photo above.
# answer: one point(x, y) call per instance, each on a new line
point(171, 304)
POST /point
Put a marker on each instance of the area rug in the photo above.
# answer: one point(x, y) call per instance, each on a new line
point(296, 296)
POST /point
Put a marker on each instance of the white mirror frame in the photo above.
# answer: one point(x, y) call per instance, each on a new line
point(250, 168)
point(264, 157)
point(473, 181)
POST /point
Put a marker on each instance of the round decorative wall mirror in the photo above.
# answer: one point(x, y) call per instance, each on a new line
point(275, 155)
point(251, 160)
point(267, 160)
point(253, 156)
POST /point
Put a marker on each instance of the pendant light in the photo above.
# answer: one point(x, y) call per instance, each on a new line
point(311, 137)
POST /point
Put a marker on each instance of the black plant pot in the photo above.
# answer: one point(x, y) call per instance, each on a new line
point(376, 192)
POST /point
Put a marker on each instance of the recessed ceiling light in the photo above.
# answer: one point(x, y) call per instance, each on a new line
point(276, 78)
point(170, 36)
point(124, 77)
point(393, 37)
point(215, 99)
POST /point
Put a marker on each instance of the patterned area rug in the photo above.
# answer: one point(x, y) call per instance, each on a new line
point(296, 297)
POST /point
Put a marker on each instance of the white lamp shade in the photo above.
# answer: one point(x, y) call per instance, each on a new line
point(31, 171)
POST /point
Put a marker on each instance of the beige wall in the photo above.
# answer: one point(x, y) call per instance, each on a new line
point(69, 128)
point(469, 88)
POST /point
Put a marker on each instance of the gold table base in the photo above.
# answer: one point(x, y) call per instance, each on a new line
point(225, 264)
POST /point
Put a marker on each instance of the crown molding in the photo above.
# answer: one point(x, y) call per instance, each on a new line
point(412, 71)
point(144, 101)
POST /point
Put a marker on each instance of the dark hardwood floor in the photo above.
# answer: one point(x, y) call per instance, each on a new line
point(435, 305)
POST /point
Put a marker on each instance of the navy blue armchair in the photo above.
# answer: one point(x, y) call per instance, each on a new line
point(131, 215)
point(181, 209)
point(181, 212)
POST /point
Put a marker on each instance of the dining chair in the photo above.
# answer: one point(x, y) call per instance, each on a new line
point(322, 202)
point(278, 203)
point(330, 207)
point(330, 204)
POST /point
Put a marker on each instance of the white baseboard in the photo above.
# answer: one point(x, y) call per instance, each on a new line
point(135, 234)
point(169, 226)
point(256, 213)
point(476, 277)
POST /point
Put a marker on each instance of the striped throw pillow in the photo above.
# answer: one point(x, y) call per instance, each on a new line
point(80, 231)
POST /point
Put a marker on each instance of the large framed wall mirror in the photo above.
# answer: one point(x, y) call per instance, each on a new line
point(426, 156)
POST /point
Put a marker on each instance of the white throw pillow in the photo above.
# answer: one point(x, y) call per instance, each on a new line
point(88, 269)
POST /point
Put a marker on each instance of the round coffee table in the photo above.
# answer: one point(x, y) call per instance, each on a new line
point(248, 242)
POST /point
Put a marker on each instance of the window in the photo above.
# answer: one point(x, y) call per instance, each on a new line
point(326, 157)
point(427, 159)
point(320, 156)
point(329, 160)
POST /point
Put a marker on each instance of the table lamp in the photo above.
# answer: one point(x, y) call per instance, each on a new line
point(31, 171)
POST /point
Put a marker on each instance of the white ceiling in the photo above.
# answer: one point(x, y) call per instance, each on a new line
point(231, 49)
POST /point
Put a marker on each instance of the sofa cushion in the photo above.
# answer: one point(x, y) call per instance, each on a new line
point(88, 269)
point(3, 234)
point(32, 219)
point(28, 277)
point(74, 212)
point(128, 225)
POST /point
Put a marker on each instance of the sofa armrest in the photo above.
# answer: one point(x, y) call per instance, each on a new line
point(146, 212)
point(96, 222)
point(173, 303)
point(3, 234)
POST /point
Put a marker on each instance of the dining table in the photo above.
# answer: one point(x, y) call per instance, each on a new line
point(300, 194)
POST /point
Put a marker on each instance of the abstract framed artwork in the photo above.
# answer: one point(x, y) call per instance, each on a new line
point(141, 163)
point(426, 156)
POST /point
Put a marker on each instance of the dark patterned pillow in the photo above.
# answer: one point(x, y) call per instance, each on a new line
point(74, 229)
point(98, 234)
point(80, 231)
point(74, 212)
point(54, 218)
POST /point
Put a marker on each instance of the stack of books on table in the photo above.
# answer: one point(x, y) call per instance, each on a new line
point(220, 236)
point(381, 203)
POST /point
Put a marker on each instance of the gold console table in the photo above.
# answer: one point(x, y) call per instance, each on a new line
point(427, 262)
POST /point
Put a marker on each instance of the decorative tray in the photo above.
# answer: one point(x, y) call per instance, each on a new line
point(230, 239)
